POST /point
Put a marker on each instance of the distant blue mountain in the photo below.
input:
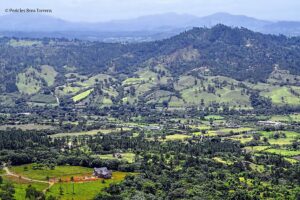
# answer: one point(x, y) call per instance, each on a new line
point(150, 27)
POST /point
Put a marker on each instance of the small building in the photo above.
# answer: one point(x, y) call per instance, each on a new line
point(270, 124)
point(117, 155)
point(102, 172)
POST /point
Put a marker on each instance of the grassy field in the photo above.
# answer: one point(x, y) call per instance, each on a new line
point(222, 160)
point(226, 131)
point(242, 138)
point(214, 117)
point(288, 139)
point(28, 127)
point(286, 118)
point(23, 43)
point(257, 148)
point(63, 172)
point(129, 157)
point(281, 96)
point(42, 98)
point(177, 137)
point(82, 95)
point(21, 185)
point(283, 152)
point(281, 118)
point(84, 190)
point(30, 81)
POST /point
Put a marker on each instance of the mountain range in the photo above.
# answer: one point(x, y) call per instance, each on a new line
point(143, 28)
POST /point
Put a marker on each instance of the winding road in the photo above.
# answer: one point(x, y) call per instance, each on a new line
point(9, 173)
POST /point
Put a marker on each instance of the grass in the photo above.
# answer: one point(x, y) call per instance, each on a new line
point(71, 90)
point(177, 137)
point(129, 157)
point(194, 95)
point(291, 160)
point(84, 190)
point(257, 148)
point(283, 152)
point(82, 95)
point(290, 136)
point(49, 74)
point(295, 117)
point(28, 127)
point(42, 98)
point(21, 185)
point(23, 43)
point(258, 168)
point(282, 96)
point(30, 81)
point(63, 172)
point(214, 117)
point(281, 118)
point(223, 161)
point(233, 130)
point(242, 138)
point(286, 118)
point(132, 81)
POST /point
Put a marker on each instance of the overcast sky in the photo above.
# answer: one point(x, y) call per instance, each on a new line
point(105, 10)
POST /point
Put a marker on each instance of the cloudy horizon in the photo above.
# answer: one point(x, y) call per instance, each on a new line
point(107, 10)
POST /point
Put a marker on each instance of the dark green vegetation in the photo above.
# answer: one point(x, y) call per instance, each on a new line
point(208, 114)
point(233, 67)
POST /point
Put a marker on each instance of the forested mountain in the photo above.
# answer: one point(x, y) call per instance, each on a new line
point(200, 54)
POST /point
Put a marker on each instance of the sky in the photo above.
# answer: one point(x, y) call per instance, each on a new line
point(107, 10)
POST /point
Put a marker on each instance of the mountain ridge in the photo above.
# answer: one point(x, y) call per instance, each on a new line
point(153, 26)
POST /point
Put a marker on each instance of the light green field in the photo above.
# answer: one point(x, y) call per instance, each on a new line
point(21, 185)
point(242, 138)
point(281, 96)
point(94, 80)
point(222, 160)
point(48, 74)
point(176, 102)
point(63, 172)
point(282, 76)
point(28, 127)
point(177, 137)
point(290, 136)
point(129, 157)
point(233, 130)
point(257, 148)
point(214, 117)
point(258, 168)
point(42, 98)
point(283, 152)
point(231, 97)
point(23, 43)
point(132, 81)
point(295, 117)
point(291, 160)
point(281, 118)
point(82, 95)
point(71, 90)
point(286, 118)
point(29, 82)
point(84, 190)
